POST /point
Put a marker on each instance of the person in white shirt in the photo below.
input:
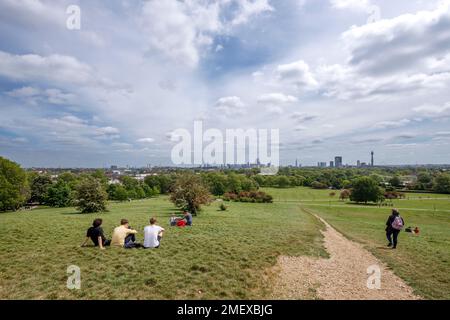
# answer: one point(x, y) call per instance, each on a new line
point(152, 235)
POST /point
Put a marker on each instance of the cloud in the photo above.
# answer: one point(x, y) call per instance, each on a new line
point(250, 8)
point(183, 30)
point(433, 111)
point(54, 68)
point(360, 5)
point(230, 106)
point(146, 140)
point(297, 73)
point(301, 117)
point(34, 96)
point(276, 99)
point(442, 134)
point(392, 45)
point(392, 124)
point(32, 13)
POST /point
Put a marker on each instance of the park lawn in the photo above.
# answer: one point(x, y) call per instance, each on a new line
point(225, 255)
point(423, 261)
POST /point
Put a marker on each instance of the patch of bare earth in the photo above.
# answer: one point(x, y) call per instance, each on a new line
point(343, 276)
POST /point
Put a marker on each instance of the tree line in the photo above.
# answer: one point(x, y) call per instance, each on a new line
point(90, 191)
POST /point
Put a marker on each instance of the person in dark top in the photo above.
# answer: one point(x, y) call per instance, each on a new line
point(96, 234)
point(188, 218)
point(393, 229)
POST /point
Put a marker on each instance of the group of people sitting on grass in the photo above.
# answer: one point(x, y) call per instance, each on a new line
point(124, 236)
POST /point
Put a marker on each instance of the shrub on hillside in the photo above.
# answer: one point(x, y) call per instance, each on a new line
point(248, 196)
point(318, 185)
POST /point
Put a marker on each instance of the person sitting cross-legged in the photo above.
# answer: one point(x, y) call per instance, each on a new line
point(124, 236)
point(153, 235)
point(96, 234)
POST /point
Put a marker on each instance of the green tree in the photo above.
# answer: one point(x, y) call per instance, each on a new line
point(117, 192)
point(39, 188)
point(59, 195)
point(395, 181)
point(442, 183)
point(366, 190)
point(283, 182)
point(163, 182)
point(91, 196)
point(14, 189)
point(189, 193)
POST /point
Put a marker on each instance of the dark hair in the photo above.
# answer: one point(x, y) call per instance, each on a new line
point(123, 221)
point(152, 220)
point(395, 212)
point(97, 223)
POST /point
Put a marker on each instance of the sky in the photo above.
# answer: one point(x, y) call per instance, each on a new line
point(336, 77)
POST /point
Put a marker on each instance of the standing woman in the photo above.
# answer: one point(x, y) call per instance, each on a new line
point(394, 225)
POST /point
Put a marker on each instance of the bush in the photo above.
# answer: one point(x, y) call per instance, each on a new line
point(318, 185)
point(223, 207)
point(245, 196)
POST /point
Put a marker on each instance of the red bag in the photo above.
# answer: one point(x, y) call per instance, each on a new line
point(181, 223)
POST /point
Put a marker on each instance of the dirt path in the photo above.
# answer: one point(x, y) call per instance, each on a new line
point(343, 276)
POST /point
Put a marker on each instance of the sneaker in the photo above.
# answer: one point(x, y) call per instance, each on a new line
point(394, 247)
point(389, 245)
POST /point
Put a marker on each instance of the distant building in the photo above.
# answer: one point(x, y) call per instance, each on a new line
point(358, 163)
point(322, 164)
point(114, 167)
point(371, 159)
point(331, 164)
point(338, 162)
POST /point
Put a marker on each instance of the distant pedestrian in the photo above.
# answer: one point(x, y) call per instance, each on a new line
point(394, 225)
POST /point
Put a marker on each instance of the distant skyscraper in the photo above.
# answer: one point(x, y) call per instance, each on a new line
point(331, 164)
point(358, 163)
point(296, 163)
point(371, 161)
point(338, 162)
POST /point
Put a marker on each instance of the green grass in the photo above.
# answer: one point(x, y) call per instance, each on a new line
point(422, 261)
point(226, 255)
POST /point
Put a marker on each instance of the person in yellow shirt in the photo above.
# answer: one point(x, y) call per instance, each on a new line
point(124, 236)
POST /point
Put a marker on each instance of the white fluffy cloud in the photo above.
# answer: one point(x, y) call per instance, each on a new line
point(182, 30)
point(399, 44)
point(230, 106)
point(433, 111)
point(296, 73)
point(56, 69)
point(362, 5)
point(276, 99)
